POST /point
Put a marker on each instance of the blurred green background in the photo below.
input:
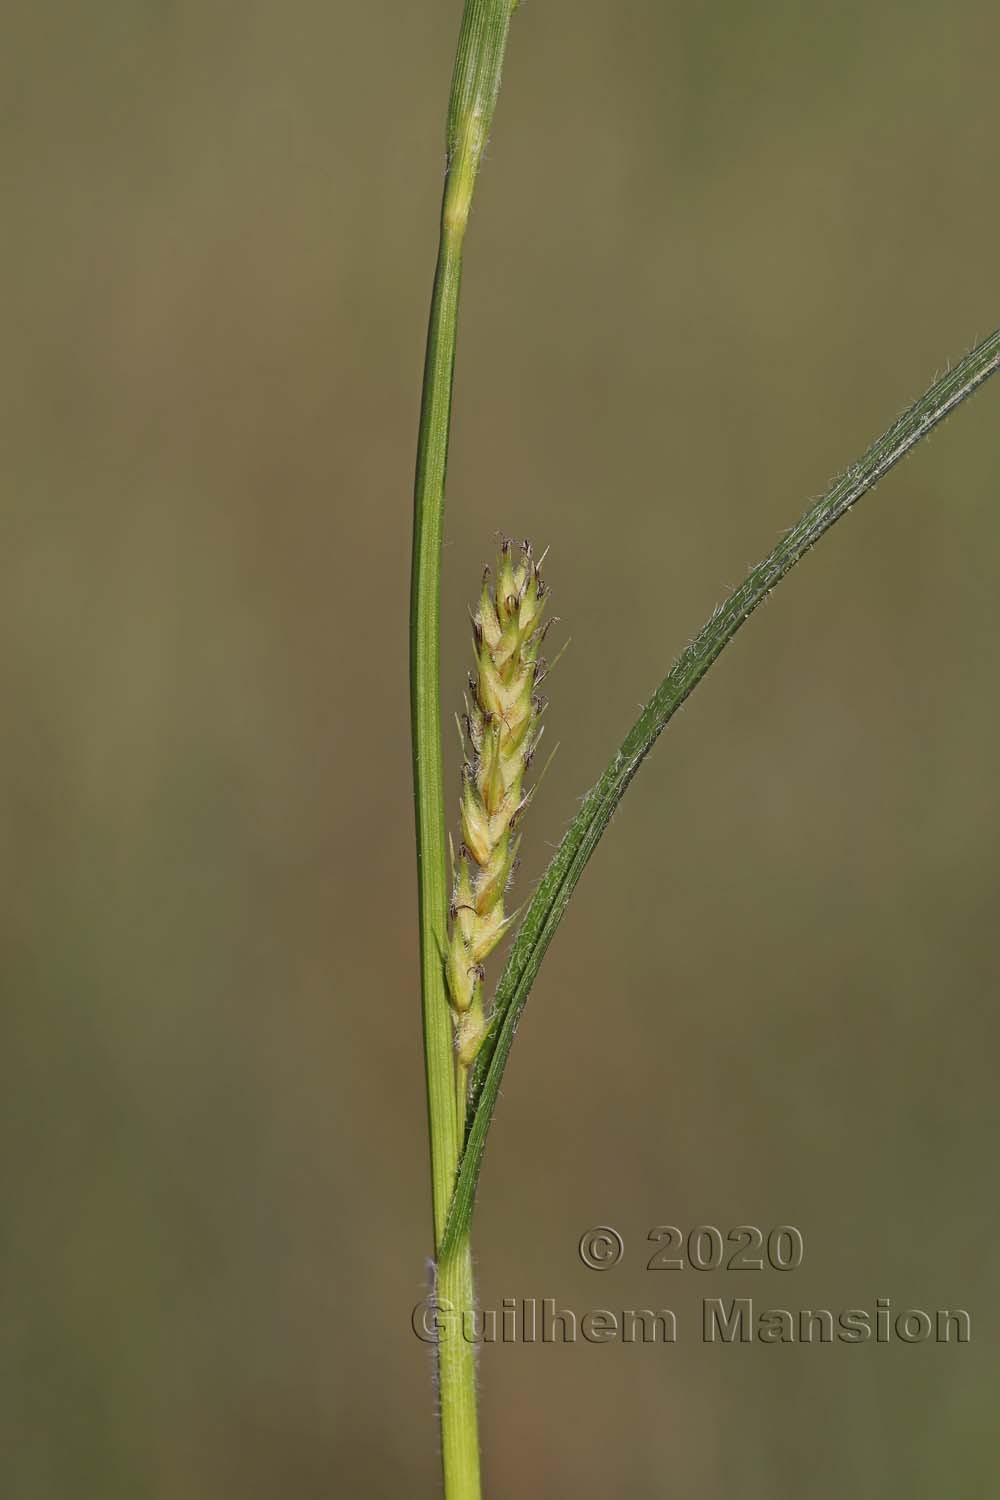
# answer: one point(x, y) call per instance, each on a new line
point(716, 249)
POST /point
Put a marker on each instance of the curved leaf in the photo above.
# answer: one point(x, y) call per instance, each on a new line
point(551, 898)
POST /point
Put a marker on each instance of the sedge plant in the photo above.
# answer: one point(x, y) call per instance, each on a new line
point(462, 895)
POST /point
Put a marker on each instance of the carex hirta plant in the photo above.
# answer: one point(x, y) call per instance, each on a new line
point(463, 901)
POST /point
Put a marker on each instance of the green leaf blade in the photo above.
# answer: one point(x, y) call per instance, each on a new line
point(551, 898)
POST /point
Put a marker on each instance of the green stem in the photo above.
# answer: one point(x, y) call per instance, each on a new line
point(428, 775)
point(457, 1376)
point(474, 88)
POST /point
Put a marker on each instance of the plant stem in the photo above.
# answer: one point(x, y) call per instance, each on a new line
point(475, 84)
point(428, 774)
point(457, 1376)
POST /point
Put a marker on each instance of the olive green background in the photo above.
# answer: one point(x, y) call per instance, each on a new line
point(715, 250)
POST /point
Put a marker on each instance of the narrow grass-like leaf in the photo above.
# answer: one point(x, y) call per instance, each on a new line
point(551, 898)
point(474, 88)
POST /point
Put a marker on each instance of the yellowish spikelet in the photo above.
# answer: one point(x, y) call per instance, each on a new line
point(502, 730)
